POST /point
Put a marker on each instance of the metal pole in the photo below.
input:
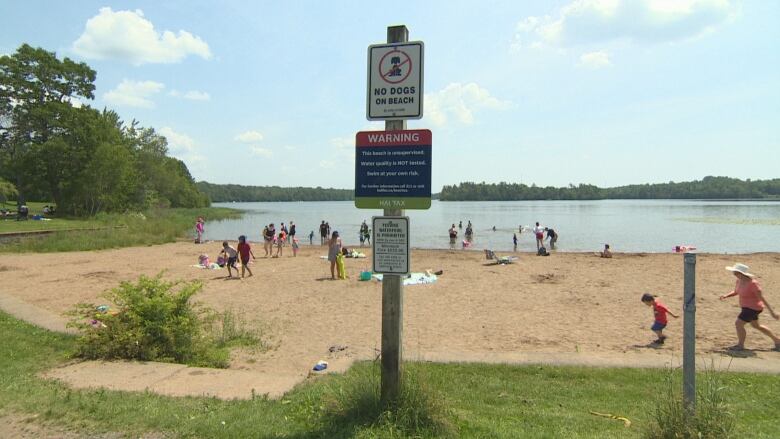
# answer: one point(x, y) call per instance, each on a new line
point(392, 284)
point(689, 334)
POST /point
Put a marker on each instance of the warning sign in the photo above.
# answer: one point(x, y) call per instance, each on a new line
point(391, 244)
point(395, 81)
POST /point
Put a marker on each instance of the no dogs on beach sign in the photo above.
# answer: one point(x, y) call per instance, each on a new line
point(395, 81)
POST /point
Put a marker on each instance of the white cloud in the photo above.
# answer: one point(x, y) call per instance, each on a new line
point(133, 93)
point(262, 152)
point(249, 137)
point(127, 35)
point(184, 148)
point(460, 101)
point(193, 95)
point(177, 142)
point(598, 21)
point(595, 60)
point(328, 164)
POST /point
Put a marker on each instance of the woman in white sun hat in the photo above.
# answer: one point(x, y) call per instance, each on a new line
point(752, 302)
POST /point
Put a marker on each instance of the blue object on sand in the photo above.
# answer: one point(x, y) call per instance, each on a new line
point(321, 365)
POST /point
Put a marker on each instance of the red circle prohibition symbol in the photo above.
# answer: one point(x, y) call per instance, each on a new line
point(396, 79)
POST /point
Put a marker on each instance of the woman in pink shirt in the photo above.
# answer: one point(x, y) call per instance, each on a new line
point(752, 303)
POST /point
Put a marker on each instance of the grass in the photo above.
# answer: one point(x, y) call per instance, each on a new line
point(480, 401)
point(118, 230)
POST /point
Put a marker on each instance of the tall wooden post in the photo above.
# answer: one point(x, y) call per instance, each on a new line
point(392, 284)
point(689, 334)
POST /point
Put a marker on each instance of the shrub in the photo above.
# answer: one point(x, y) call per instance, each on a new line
point(354, 404)
point(154, 320)
point(712, 418)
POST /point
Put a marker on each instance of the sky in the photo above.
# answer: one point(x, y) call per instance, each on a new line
point(603, 92)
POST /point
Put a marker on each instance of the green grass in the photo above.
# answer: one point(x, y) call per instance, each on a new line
point(482, 401)
point(118, 230)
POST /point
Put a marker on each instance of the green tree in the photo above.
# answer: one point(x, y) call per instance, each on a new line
point(36, 94)
point(7, 190)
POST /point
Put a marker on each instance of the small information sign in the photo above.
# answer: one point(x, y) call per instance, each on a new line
point(391, 244)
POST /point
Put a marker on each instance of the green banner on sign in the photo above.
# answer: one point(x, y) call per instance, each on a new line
point(392, 203)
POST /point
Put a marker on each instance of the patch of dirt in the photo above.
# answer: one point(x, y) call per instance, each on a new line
point(13, 425)
point(548, 278)
point(109, 275)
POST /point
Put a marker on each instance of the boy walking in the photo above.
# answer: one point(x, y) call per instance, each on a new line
point(659, 311)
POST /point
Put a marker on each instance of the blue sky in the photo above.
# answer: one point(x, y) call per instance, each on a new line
point(606, 92)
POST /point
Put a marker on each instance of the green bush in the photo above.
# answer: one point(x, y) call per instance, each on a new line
point(354, 407)
point(712, 418)
point(155, 320)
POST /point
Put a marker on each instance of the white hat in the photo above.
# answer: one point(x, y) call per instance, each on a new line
point(741, 268)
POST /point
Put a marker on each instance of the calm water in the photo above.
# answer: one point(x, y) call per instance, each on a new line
point(628, 225)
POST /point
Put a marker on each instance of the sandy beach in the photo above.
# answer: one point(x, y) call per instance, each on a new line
point(568, 302)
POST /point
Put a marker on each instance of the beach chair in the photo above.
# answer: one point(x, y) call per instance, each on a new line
point(501, 260)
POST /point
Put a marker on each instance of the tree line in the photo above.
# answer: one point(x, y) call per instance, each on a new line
point(53, 146)
point(706, 188)
point(235, 192)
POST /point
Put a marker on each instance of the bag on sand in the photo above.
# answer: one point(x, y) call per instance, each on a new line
point(542, 252)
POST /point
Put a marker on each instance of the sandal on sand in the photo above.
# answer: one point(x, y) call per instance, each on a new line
point(736, 347)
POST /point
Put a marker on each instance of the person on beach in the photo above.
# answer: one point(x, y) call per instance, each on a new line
point(323, 233)
point(334, 248)
point(460, 224)
point(659, 312)
point(311, 237)
point(453, 237)
point(268, 239)
point(469, 233)
point(539, 233)
point(231, 255)
point(244, 250)
point(606, 253)
point(291, 232)
point(364, 233)
point(514, 240)
point(752, 302)
point(199, 229)
point(280, 243)
point(294, 245)
point(552, 236)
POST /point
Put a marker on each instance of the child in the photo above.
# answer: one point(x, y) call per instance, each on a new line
point(199, 228)
point(244, 250)
point(514, 240)
point(311, 237)
point(606, 253)
point(295, 246)
point(231, 255)
point(659, 311)
point(280, 244)
point(203, 260)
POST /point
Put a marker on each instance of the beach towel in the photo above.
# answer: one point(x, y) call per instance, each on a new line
point(340, 266)
point(414, 278)
point(212, 266)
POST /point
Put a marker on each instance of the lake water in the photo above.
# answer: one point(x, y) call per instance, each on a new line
point(627, 225)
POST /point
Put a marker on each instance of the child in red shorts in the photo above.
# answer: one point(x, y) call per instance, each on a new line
point(244, 251)
point(659, 311)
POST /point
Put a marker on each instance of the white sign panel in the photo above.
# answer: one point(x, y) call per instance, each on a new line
point(395, 81)
point(391, 244)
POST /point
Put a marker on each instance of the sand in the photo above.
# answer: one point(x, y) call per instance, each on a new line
point(565, 303)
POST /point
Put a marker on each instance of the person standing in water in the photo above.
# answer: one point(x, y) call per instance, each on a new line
point(539, 233)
